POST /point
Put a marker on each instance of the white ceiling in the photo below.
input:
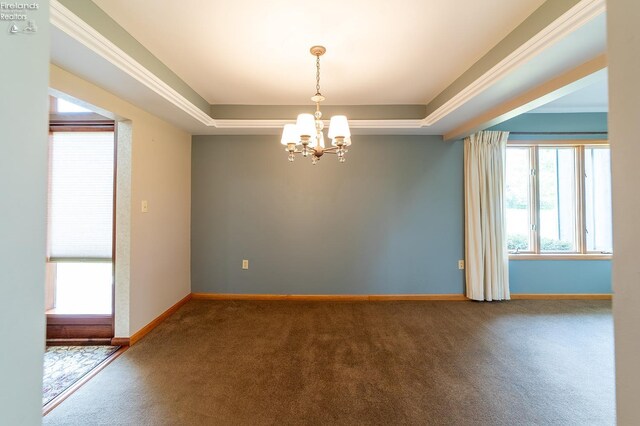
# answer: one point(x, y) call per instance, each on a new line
point(378, 51)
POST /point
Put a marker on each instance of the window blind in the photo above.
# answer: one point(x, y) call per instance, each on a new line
point(81, 177)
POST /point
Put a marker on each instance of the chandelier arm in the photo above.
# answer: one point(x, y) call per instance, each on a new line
point(331, 149)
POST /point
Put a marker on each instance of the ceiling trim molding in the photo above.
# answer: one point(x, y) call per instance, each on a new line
point(354, 124)
point(354, 112)
point(68, 22)
point(567, 23)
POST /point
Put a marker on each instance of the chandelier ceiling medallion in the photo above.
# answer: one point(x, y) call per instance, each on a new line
point(306, 136)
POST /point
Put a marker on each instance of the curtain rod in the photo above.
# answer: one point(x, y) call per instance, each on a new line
point(559, 133)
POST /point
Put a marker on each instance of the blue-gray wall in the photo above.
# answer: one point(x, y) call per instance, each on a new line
point(558, 276)
point(545, 123)
point(390, 220)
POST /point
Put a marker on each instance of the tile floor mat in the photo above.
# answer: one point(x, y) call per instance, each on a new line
point(65, 365)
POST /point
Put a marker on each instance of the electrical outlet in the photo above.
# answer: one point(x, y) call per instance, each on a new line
point(460, 264)
point(245, 264)
point(145, 206)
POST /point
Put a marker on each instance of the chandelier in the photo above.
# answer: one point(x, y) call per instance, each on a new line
point(306, 137)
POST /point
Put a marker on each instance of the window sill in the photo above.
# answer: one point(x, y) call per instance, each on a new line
point(557, 256)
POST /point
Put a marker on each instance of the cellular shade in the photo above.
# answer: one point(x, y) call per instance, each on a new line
point(80, 214)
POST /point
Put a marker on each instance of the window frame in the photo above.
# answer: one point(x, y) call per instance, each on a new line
point(581, 251)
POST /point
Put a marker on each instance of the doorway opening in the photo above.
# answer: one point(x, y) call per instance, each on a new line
point(80, 225)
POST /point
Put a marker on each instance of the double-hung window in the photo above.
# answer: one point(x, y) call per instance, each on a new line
point(558, 198)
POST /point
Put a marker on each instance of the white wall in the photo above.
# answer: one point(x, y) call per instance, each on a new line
point(23, 189)
point(624, 133)
point(159, 241)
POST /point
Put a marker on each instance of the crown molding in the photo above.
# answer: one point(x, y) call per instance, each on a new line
point(68, 22)
point(567, 23)
point(354, 112)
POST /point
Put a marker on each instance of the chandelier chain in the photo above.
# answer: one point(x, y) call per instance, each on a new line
point(318, 75)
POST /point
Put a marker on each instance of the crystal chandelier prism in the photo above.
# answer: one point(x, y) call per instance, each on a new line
point(306, 137)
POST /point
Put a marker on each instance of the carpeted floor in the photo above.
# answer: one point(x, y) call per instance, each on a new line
point(441, 363)
point(65, 365)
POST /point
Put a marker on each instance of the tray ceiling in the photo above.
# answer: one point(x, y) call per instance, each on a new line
point(378, 52)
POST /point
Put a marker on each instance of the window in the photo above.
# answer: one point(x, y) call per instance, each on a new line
point(557, 195)
point(597, 190)
point(66, 106)
point(518, 199)
point(80, 221)
point(558, 199)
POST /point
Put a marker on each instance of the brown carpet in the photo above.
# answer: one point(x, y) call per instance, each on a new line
point(458, 363)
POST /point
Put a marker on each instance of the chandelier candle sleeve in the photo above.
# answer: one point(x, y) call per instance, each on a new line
point(314, 144)
point(306, 137)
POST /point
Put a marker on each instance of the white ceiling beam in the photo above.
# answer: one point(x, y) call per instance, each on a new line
point(560, 86)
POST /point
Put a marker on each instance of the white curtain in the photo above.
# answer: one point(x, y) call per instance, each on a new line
point(487, 260)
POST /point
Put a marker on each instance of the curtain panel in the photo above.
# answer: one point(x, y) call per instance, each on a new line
point(487, 260)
